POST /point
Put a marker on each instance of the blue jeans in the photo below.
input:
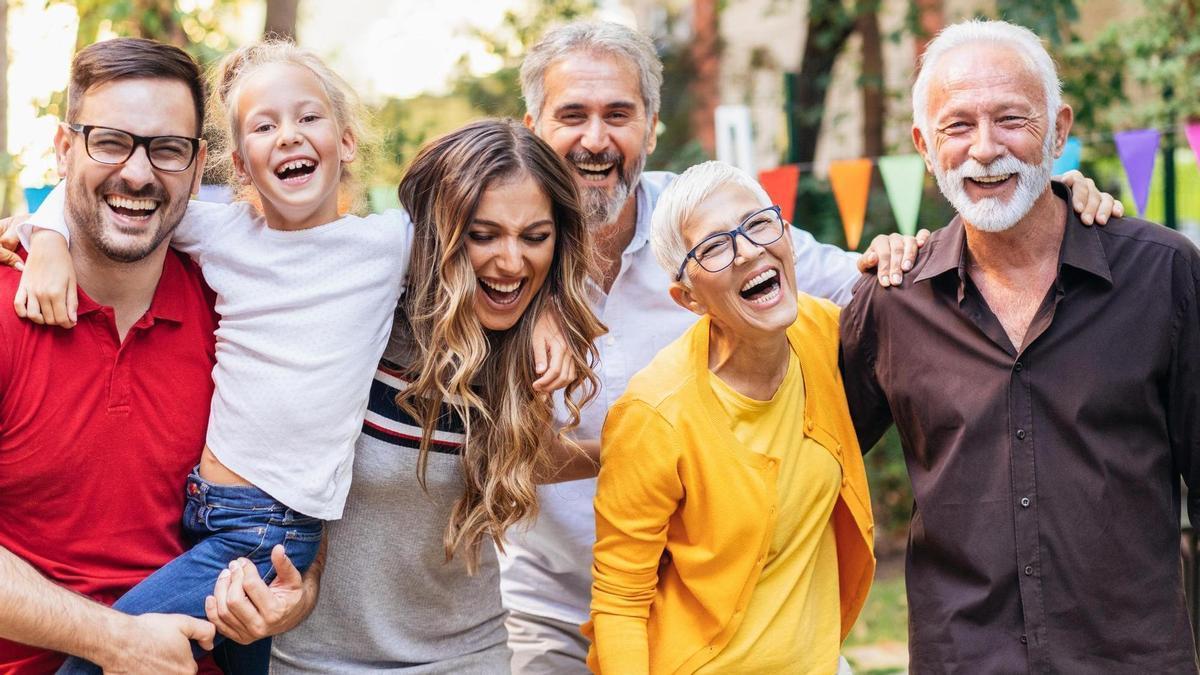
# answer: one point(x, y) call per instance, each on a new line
point(224, 522)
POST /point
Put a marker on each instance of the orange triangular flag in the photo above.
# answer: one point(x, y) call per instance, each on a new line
point(851, 181)
point(781, 184)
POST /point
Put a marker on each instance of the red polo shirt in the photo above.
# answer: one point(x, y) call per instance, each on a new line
point(97, 438)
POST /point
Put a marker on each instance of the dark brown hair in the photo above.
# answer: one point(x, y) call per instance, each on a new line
point(123, 58)
point(488, 375)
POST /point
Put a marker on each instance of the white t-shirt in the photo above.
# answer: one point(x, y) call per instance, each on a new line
point(305, 316)
point(548, 567)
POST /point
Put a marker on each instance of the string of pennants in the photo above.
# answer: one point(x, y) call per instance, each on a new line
point(904, 179)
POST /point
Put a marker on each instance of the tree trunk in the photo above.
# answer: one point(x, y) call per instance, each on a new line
point(874, 101)
point(829, 24)
point(155, 20)
point(281, 19)
point(930, 20)
point(705, 55)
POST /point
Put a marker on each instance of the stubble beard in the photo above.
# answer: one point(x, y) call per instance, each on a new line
point(89, 229)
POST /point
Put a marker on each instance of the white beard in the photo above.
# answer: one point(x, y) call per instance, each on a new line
point(991, 214)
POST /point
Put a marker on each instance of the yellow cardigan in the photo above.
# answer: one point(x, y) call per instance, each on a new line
point(685, 513)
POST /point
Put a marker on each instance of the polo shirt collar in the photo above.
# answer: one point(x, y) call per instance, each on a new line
point(167, 303)
point(1081, 247)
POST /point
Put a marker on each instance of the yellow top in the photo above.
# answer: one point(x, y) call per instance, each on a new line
point(792, 622)
point(686, 514)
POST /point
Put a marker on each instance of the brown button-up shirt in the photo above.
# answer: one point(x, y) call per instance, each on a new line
point(1045, 530)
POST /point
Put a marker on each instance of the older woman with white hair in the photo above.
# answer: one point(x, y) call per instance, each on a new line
point(733, 523)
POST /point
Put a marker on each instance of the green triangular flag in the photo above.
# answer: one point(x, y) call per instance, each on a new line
point(904, 180)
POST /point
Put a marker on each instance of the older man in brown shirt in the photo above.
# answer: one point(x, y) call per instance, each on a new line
point(1044, 380)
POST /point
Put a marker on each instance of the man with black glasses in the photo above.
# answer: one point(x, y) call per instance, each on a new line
point(96, 421)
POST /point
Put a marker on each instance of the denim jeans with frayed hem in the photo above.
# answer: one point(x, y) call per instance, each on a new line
point(224, 522)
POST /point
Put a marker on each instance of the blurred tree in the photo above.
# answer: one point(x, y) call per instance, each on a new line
point(705, 55)
point(196, 31)
point(281, 18)
point(830, 23)
point(499, 93)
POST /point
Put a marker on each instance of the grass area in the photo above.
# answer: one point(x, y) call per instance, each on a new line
point(878, 643)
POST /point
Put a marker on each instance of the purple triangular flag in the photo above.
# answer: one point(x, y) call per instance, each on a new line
point(1193, 136)
point(1137, 149)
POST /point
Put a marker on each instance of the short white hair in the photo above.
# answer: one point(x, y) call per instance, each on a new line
point(591, 37)
point(677, 204)
point(1021, 40)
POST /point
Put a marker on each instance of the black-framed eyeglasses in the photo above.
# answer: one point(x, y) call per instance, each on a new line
point(717, 251)
point(115, 146)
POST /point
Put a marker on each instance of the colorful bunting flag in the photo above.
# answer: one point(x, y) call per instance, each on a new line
point(781, 184)
point(904, 180)
point(1193, 136)
point(1137, 149)
point(1069, 159)
point(851, 181)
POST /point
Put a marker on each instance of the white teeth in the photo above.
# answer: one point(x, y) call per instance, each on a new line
point(503, 288)
point(767, 297)
point(758, 279)
point(990, 179)
point(295, 164)
point(132, 204)
point(595, 167)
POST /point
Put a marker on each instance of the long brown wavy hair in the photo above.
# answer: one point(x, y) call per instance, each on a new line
point(487, 376)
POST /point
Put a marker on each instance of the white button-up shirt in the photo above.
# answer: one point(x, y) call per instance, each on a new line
point(548, 568)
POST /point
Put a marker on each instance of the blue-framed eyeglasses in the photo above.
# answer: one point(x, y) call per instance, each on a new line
point(718, 251)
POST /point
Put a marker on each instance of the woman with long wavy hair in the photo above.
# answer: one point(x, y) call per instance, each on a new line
point(455, 437)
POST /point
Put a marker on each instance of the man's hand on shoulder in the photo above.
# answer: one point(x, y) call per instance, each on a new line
point(155, 643)
point(891, 255)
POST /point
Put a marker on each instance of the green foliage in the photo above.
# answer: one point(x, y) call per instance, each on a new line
point(891, 493)
point(1047, 18)
point(499, 94)
point(196, 31)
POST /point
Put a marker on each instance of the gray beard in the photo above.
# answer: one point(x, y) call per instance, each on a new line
point(601, 209)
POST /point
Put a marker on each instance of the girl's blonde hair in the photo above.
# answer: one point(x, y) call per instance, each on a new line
point(224, 81)
point(488, 375)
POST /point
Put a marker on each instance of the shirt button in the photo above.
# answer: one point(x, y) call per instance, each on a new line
point(1018, 367)
point(1028, 570)
point(808, 425)
point(1025, 502)
point(1020, 434)
point(1024, 640)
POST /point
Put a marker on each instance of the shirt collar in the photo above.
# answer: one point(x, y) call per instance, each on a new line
point(167, 303)
point(1081, 247)
point(641, 233)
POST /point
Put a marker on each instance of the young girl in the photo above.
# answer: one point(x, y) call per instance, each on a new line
point(306, 298)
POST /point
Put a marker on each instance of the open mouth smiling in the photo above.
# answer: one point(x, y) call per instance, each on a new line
point(762, 288)
point(295, 170)
point(502, 293)
point(991, 182)
point(131, 208)
point(594, 171)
